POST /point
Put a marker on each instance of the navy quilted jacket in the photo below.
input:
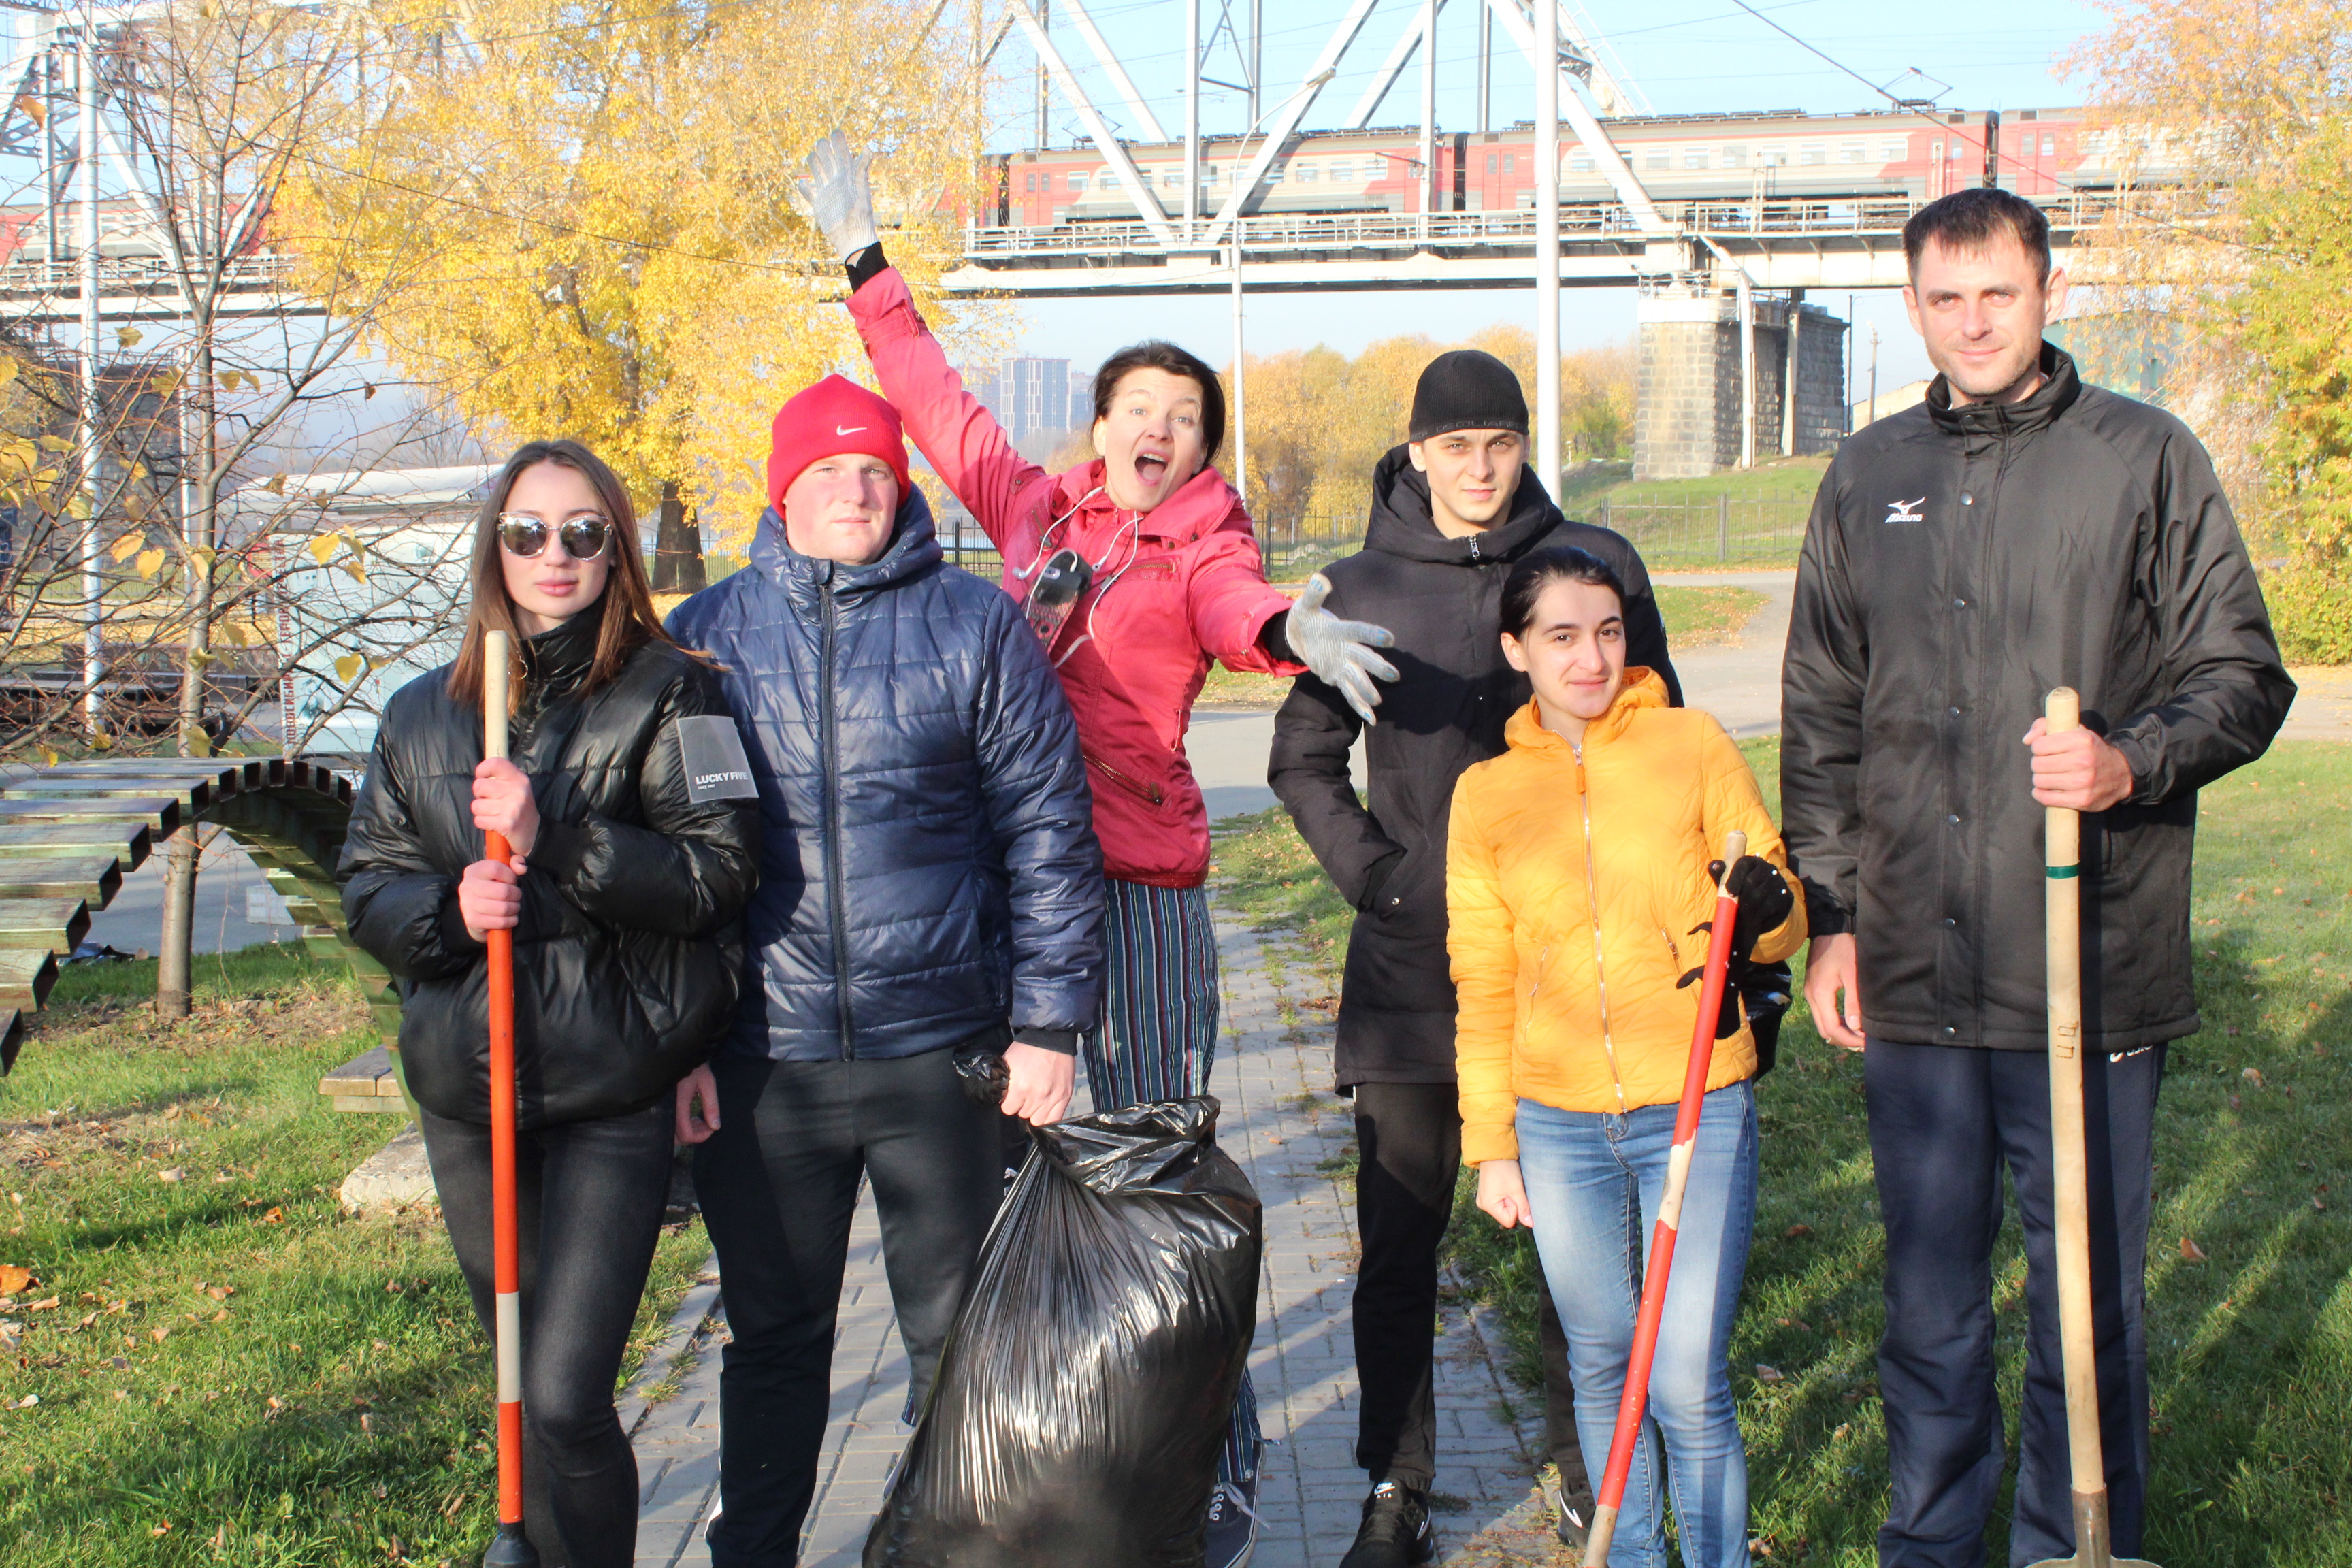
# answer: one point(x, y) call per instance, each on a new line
point(929, 875)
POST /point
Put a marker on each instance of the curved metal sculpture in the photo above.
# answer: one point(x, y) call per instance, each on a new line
point(70, 833)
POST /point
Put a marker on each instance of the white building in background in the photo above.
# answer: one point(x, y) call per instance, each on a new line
point(1908, 395)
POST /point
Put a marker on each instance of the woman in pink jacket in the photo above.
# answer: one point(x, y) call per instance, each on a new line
point(1139, 569)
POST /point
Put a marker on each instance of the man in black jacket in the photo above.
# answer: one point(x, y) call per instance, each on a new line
point(2017, 531)
point(1452, 511)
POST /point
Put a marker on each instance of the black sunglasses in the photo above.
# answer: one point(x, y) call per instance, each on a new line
point(525, 534)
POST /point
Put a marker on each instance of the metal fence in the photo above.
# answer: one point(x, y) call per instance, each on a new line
point(1721, 529)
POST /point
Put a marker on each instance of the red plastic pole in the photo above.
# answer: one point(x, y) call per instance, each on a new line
point(1634, 1403)
point(511, 1548)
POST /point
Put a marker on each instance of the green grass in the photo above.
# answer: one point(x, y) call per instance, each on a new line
point(1685, 523)
point(1696, 616)
point(2252, 1347)
point(235, 1371)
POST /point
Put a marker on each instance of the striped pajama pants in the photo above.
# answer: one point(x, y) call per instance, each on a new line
point(1158, 1037)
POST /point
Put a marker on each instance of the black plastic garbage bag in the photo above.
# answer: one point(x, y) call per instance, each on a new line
point(1083, 1397)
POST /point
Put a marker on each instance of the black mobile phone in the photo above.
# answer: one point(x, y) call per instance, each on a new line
point(1061, 583)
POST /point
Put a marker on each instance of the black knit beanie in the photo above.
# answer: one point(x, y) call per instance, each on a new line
point(1467, 389)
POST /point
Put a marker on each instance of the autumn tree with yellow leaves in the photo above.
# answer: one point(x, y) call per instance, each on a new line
point(2244, 254)
point(602, 208)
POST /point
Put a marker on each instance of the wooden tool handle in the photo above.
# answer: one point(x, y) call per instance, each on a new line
point(2062, 891)
point(1735, 845)
point(498, 669)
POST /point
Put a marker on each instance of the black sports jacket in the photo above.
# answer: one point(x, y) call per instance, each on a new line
point(1961, 561)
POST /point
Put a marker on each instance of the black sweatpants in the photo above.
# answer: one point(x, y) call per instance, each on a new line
point(589, 1200)
point(778, 1184)
point(1944, 1121)
point(1409, 1141)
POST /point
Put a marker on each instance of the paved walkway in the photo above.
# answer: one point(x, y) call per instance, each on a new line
point(1282, 1125)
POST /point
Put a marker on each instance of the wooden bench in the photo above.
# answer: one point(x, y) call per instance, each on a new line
point(70, 832)
point(367, 1084)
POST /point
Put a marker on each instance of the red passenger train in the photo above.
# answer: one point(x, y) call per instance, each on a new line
point(1678, 158)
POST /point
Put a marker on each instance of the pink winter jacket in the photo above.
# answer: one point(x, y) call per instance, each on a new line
point(1195, 591)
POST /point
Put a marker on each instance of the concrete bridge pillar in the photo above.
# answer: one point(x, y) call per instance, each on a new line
point(1686, 421)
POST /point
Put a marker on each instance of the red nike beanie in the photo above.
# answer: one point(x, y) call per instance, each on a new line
point(833, 417)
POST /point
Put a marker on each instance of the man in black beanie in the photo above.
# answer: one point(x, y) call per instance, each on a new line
point(1451, 511)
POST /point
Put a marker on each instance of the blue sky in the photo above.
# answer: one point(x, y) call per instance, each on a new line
point(1685, 57)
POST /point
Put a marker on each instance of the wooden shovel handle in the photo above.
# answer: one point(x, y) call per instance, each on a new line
point(2070, 1166)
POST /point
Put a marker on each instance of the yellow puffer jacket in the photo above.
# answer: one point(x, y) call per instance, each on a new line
point(1572, 883)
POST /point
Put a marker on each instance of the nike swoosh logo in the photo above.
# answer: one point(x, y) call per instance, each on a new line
point(851, 430)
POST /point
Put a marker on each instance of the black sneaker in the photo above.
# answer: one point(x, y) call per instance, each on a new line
point(1395, 1533)
point(1232, 1523)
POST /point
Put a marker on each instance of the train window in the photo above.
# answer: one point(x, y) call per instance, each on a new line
point(1033, 179)
point(1850, 153)
point(1492, 162)
point(1343, 172)
point(1277, 173)
point(1309, 172)
point(2050, 146)
point(1078, 179)
point(1813, 153)
point(1659, 158)
point(1506, 162)
point(1735, 156)
point(1173, 180)
point(1893, 152)
point(1694, 157)
point(1581, 161)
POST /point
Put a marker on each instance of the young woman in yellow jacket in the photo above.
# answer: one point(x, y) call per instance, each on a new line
point(1577, 880)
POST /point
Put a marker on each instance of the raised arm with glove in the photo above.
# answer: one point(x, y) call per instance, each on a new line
point(1338, 651)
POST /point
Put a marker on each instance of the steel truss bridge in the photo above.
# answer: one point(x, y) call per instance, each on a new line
point(1781, 244)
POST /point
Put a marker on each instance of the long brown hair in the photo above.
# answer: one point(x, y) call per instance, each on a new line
point(626, 606)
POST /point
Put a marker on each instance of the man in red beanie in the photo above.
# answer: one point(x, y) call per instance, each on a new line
point(931, 887)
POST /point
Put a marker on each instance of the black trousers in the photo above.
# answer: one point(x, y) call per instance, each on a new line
point(589, 1200)
point(1944, 1121)
point(778, 1184)
point(1409, 1141)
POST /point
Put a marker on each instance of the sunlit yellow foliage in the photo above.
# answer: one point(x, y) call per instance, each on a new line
point(601, 207)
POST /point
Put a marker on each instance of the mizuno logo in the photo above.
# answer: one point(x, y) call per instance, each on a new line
point(1905, 511)
point(848, 431)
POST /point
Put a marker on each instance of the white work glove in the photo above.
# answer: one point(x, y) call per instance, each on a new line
point(1339, 652)
point(840, 195)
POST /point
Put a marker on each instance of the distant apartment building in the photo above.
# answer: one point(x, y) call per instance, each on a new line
point(1038, 401)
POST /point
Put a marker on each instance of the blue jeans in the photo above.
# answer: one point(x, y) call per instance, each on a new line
point(1594, 1181)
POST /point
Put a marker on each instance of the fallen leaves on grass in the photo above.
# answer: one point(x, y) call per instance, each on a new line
point(1770, 1374)
point(275, 1217)
point(2253, 1075)
point(1797, 1230)
point(2190, 1252)
point(14, 1278)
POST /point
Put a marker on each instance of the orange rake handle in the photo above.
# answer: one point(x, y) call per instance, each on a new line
point(1634, 1403)
point(506, 1240)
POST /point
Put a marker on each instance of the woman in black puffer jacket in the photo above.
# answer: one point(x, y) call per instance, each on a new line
point(636, 851)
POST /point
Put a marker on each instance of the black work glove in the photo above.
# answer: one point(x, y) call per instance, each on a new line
point(1726, 1020)
point(1765, 900)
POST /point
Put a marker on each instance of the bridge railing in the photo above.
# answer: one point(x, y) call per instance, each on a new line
point(1588, 221)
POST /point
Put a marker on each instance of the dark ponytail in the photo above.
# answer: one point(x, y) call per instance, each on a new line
point(1560, 563)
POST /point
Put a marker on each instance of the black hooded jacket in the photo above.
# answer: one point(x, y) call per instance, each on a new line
point(1442, 597)
point(1960, 563)
point(630, 943)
